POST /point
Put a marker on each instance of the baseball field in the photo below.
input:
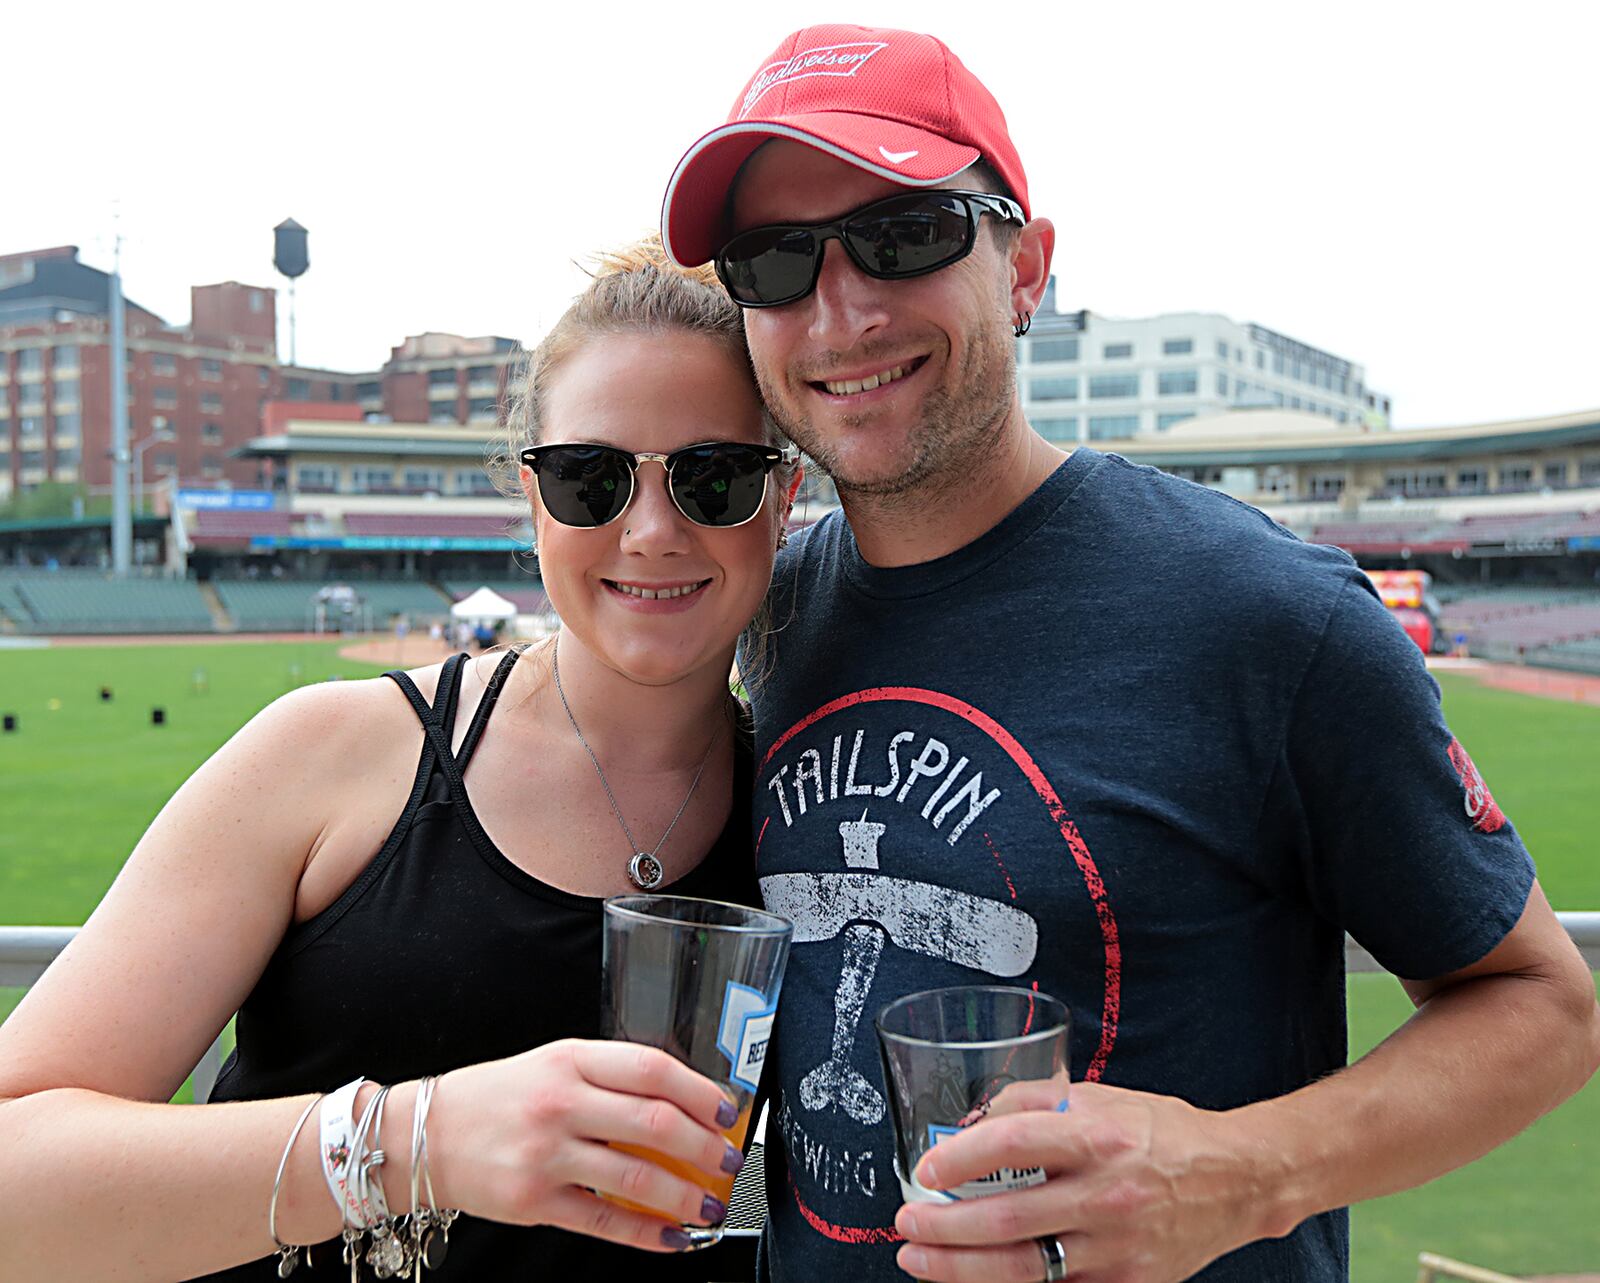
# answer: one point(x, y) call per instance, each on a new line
point(81, 776)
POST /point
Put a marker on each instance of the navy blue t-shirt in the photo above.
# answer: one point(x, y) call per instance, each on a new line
point(1137, 746)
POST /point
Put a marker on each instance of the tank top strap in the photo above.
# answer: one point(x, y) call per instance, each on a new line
point(491, 694)
point(438, 719)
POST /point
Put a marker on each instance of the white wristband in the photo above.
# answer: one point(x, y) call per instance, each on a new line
point(338, 1151)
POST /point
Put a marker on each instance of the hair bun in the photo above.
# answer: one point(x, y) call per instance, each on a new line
point(644, 255)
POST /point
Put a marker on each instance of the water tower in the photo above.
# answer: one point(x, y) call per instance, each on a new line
point(290, 257)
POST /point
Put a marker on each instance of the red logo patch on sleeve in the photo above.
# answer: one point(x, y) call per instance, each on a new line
point(1485, 815)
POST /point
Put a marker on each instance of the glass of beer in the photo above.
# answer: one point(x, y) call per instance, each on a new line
point(947, 1053)
point(700, 980)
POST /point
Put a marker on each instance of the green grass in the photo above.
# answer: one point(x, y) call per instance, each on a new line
point(78, 785)
point(81, 779)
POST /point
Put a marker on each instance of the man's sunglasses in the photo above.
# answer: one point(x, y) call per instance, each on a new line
point(719, 483)
point(894, 239)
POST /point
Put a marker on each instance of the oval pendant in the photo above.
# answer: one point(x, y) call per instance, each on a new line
point(645, 871)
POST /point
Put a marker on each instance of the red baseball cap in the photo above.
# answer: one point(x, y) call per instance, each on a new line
point(895, 103)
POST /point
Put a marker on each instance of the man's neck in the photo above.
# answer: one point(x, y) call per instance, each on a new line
point(953, 509)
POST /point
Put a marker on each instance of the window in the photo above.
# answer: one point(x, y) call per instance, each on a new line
point(1064, 389)
point(1118, 351)
point(1222, 348)
point(297, 389)
point(68, 427)
point(164, 461)
point(211, 433)
point(1589, 471)
point(161, 426)
point(1065, 429)
point(1472, 481)
point(1178, 347)
point(316, 477)
point(68, 457)
point(424, 479)
point(210, 467)
point(1238, 355)
point(1413, 483)
point(483, 407)
point(258, 302)
point(369, 391)
point(1165, 421)
point(475, 481)
point(66, 391)
point(211, 370)
point(33, 458)
point(28, 426)
point(163, 363)
point(1045, 350)
point(442, 412)
point(1261, 360)
point(1222, 383)
point(1106, 386)
point(1110, 426)
point(164, 398)
point(1555, 474)
point(66, 357)
point(1326, 485)
point(263, 376)
point(367, 479)
point(1343, 417)
point(211, 403)
point(441, 378)
point(1294, 403)
point(1277, 362)
point(30, 360)
point(480, 373)
point(30, 396)
point(1178, 382)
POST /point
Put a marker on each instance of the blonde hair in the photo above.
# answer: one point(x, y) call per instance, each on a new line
point(631, 290)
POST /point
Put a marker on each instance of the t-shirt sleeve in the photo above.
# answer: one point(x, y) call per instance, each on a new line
point(1404, 845)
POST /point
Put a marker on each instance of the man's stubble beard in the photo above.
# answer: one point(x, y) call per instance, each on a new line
point(950, 444)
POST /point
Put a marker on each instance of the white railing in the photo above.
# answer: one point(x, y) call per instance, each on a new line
point(25, 952)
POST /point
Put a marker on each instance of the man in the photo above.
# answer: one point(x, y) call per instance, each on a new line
point(1069, 723)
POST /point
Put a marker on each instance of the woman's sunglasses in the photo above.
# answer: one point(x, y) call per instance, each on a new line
point(718, 484)
point(893, 239)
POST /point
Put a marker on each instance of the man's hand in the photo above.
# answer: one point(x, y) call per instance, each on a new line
point(1140, 1188)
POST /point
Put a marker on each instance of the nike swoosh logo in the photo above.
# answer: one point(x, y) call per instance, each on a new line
point(895, 157)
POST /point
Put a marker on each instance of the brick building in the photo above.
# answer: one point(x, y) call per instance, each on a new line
point(195, 393)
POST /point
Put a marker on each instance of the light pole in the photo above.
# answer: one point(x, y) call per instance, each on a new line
point(138, 471)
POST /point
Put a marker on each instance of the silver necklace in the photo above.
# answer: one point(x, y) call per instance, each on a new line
point(644, 869)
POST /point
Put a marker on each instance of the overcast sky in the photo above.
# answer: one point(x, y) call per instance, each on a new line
point(1409, 184)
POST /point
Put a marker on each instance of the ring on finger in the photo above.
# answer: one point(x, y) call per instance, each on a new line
point(1055, 1258)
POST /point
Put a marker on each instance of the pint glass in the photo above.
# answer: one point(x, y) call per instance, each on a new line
point(700, 980)
point(947, 1053)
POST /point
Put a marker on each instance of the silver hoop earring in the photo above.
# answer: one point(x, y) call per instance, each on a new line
point(1021, 327)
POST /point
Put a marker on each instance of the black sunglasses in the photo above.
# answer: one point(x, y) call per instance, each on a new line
point(717, 483)
point(894, 239)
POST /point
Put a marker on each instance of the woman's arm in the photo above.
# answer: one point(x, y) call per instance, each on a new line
point(104, 1180)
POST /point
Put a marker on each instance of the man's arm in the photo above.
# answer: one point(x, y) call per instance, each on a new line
point(1147, 1188)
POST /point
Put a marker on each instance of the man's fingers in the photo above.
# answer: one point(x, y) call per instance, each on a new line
point(1049, 1208)
point(584, 1213)
point(1033, 1093)
point(653, 1123)
point(648, 1071)
point(1056, 1142)
point(1014, 1263)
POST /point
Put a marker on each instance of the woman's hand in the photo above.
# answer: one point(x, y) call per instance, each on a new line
point(528, 1140)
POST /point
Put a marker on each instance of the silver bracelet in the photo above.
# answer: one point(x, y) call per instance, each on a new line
point(288, 1254)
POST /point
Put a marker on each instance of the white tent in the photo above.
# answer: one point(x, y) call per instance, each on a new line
point(485, 603)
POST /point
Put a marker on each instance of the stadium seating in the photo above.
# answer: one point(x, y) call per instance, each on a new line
point(1578, 656)
point(282, 605)
point(12, 606)
point(64, 602)
point(443, 525)
point(525, 594)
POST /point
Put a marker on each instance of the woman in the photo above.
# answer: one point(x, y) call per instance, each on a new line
point(449, 942)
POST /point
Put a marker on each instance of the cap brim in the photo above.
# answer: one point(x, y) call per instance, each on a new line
point(694, 211)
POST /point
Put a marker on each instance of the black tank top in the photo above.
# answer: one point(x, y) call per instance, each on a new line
point(443, 953)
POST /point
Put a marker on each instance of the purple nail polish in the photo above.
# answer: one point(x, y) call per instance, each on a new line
point(675, 1238)
point(712, 1211)
point(732, 1161)
point(727, 1115)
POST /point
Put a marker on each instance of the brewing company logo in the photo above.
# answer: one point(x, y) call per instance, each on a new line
point(825, 60)
point(1486, 816)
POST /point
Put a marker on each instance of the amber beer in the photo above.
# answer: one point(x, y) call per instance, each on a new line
point(720, 1184)
point(700, 980)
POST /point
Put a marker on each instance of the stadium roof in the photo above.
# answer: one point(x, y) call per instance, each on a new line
point(1246, 438)
point(307, 444)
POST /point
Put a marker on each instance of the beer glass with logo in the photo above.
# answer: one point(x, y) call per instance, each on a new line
point(947, 1053)
point(700, 980)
